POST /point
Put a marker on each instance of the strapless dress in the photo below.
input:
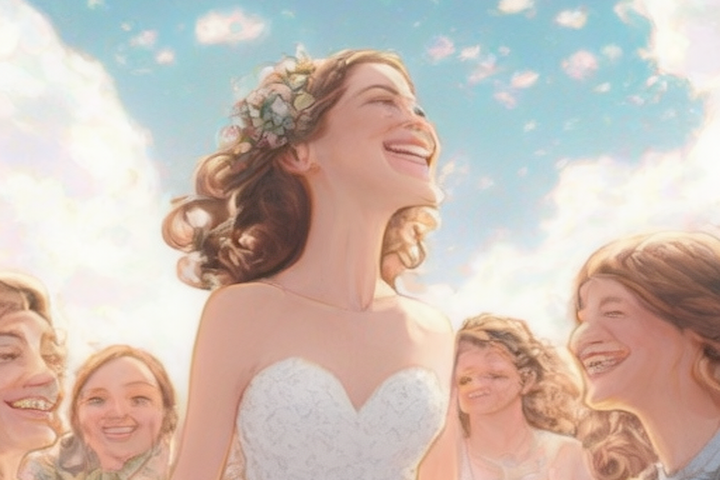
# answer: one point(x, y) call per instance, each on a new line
point(296, 422)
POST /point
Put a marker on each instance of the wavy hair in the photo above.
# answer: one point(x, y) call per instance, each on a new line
point(553, 402)
point(249, 218)
point(30, 289)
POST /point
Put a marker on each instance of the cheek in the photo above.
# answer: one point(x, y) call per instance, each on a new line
point(89, 419)
point(151, 419)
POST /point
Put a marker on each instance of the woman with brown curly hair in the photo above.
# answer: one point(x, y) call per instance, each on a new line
point(648, 339)
point(317, 199)
point(122, 417)
point(518, 405)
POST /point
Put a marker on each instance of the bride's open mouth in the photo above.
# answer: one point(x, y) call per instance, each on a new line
point(412, 156)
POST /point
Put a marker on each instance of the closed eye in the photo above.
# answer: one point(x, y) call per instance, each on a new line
point(463, 380)
point(8, 356)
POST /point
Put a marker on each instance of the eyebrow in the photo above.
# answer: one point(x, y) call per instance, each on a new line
point(377, 85)
point(603, 302)
point(609, 299)
point(14, 334)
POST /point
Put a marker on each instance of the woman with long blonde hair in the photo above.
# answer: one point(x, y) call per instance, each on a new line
point(518, 404)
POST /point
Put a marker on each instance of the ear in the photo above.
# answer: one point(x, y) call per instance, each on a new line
point(528, 378)
point(297, 160)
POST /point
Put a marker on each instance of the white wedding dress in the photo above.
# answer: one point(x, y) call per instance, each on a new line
point(296, 422)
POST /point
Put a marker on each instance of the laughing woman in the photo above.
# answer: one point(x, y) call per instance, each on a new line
point(648, 337)
point(303, 218)
point(31, 362)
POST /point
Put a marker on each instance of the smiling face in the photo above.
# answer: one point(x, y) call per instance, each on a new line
point(120, 411)
point(29, 385)
point(376, 139)
point(628, 354)
point(487, 380)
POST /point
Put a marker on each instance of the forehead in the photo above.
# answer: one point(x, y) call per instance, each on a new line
point(599, 289)
point(120, 371)
point(27, 321)
point(366, 75)
point(492, 356)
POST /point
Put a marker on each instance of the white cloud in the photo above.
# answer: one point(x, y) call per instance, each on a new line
point(595, 201)
point(507, 99)
point(485, 182)
point(603, 88)
point(84, 200)
point(231, 28)
point(530, 126)
point(524, 79)
point(469, 53)
point(612, 52)
point(514, 6)
point(441, 47)
point(686, 38)
point(572, 18)
point(580, 65)
point(144, 39)
point(486, 68)
point(166, 56)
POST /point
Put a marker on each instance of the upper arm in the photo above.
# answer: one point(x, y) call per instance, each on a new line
point(222, 365)
point(441, 460)
point(573, 461)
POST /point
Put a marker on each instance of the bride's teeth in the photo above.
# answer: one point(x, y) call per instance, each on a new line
point(32, 404)
point(410, 149)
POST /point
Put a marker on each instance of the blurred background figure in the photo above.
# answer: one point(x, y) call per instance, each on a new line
point(518, 405)
point(31, 363)
point(122, 419)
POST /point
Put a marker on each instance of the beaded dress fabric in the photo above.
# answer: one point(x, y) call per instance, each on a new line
point(296, 422)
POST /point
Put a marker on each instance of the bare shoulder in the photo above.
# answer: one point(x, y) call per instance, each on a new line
point(239, 305)
point(237, 317)
point(426, 316)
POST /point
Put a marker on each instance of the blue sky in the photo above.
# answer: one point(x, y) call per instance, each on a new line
point(564, 124)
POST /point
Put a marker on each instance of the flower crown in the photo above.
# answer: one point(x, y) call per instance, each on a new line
point(264, 118)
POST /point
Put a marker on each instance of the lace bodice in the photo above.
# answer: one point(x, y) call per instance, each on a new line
point(296, 422)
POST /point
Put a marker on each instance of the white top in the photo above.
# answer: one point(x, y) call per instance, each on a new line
point(539, 464)
point(296, 422)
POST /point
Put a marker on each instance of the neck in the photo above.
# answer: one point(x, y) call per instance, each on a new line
point(505, 433)
point(9, 464)
point(687, 408)
point(342, 253)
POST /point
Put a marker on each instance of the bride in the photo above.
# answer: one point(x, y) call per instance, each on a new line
point(307, 361)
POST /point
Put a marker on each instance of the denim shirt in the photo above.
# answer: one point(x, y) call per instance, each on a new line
point(705, 465)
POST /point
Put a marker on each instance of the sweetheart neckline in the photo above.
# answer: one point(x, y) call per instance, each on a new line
point(340, 385)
